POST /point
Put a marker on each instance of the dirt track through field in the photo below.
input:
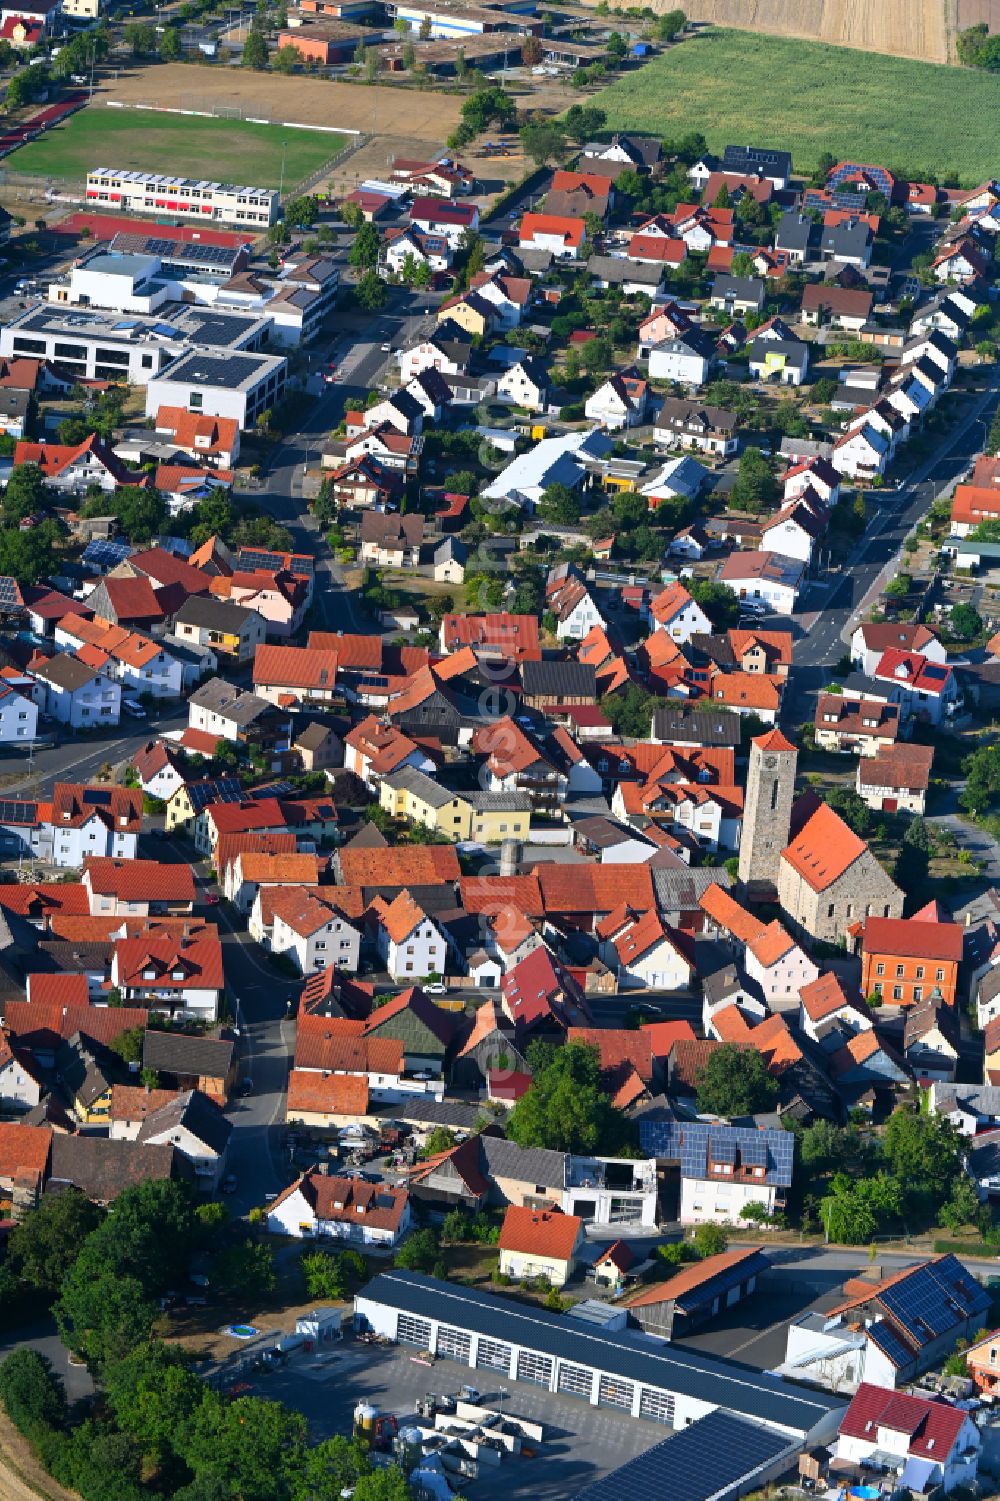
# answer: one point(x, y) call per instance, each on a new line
point(902, 28)
point(22, 1478)
point(427, 116)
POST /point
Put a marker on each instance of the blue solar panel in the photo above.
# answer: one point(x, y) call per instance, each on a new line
point(715, 1456)
point(890, 1343)
point(105, 554)
point(691, 1144)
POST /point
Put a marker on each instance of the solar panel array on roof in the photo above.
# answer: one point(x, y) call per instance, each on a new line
point(691, 1143)
point(937, 673)
point(9, 592)
point(889, 1343)
point(16, 812)
point(105, 554)
point(225, 790)
point(252, 558)
point(96, 797)
point(708, 1458)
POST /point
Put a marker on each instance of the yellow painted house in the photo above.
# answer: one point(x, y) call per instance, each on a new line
point(85, 1082)
point(487, 817)
point(470, 312)
point(181, 810)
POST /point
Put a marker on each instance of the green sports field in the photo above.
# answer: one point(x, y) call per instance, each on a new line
point(807, 97)
point(221, 150)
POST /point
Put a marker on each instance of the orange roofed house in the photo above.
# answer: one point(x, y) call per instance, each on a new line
point(828, 878)
point(347, 1209)
point(540, 1243)
point(907, 960)
point(564, 236)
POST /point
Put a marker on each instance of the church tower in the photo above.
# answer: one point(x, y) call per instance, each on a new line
point(768, 811)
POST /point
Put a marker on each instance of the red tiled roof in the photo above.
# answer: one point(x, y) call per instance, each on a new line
point(932, 1427)
point(327, 1094)
point(824, 849)
point(617, 1045)
point(350, 1200)
point(595, 888)
point(139, 880)
point(338, 1046)
point(403, 865)
point(59, 989)
point(912, 939)
point(539, 1232)
point(295, 667)
point(664, 1035)
point(24, 1150)
point(728, 914)
point(195, 964)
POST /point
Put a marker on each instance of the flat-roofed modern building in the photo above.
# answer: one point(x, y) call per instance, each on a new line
point(666, 1384)
point(221, 383)
point(87, 343)
point(208, 202)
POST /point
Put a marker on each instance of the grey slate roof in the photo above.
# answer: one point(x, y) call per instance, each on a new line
point(559, 679)
point(682, 890)
point(211, 614)
point(195, 1112)
point(697, 726)
point(617, 269)
point(505, 1159)
point(669, 1368)
point(65, 671)
point(176, 1053)
point(232, 703)
point(101, 1168)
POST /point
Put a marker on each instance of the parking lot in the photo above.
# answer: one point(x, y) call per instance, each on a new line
point(582, 1443)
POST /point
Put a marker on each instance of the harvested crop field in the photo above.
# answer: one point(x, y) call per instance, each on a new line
point(913, 117)
point(227, 150)
point(428, 115)
point(902, 28)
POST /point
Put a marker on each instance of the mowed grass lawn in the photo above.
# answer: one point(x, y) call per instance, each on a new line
point(737, 87)
point(220, 150)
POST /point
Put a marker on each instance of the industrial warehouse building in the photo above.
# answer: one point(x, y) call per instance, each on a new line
point(628, 1372)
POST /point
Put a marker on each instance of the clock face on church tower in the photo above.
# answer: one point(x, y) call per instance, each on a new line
point(770, 762)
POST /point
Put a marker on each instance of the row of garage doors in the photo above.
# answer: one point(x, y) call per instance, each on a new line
point(574, 1380)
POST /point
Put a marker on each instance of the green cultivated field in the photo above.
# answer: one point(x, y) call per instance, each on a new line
point(220, 150)
point(737, 88)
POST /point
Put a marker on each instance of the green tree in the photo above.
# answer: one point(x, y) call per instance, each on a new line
point(735, 1081)
point(559, 504)
point(756, 486)
point(854, 1211)
point(441, 1139)
point(583, 122)
point(913, 861)
point(419, 1251)
point(924, 1154)
point(170, 45)
point(246, 1270)
point(31, 1393)
point(153, 1395)
point(29, 556)
point(323, 1276)
point(248, 1443)
point(286, 60)
point(543, 141)
point(128, 1044)
point(720, 603)
point(488, 106)
point(567, 1110)
point(710, 1240)
point(43, 1246)
point(364, 251)
point(964, 623)
point(255, 50)
point(141, 38)
point(371, 292)
point(101, 1314)
point(669, 26)
point(25, 494)
point(962, 1206)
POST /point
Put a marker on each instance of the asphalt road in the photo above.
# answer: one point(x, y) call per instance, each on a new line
point(834, 608)
point(260, 998)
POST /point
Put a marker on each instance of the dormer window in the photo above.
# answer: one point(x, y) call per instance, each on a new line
point(177, 974)
point(149, 974)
